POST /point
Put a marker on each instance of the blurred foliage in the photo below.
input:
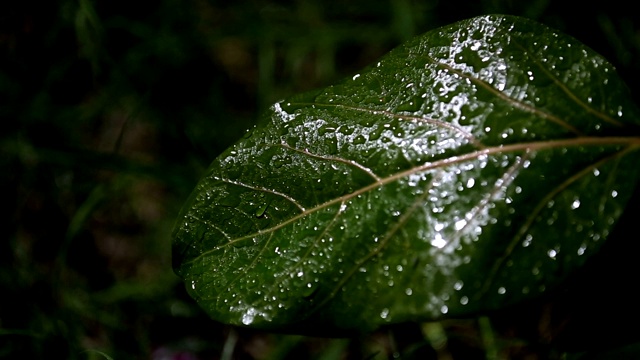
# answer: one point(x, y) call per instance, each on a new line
point(112, 110)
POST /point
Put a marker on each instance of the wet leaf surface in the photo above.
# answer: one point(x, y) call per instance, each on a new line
point(476, 166)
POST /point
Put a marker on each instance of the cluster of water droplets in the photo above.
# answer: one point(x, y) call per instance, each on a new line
point(341, 151)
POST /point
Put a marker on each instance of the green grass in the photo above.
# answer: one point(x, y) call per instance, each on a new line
point(112, 112)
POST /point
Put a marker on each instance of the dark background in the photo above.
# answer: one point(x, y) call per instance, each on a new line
point(112, 110)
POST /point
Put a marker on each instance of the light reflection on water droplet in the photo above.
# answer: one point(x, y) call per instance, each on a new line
point(458, 285)
point(527, 240)
point(247, 317)
point(582, 249)
point(444, 309)
point(438, 241)
point(408, 291)
point(384, 313)
point(470, 183)
point(501, 290)
point(575, 204)
point(614, 193)
point(552, 253)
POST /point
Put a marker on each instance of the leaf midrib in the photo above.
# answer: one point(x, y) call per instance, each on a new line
point(632, 142)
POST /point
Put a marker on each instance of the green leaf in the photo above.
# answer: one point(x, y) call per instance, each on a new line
point(475, 166)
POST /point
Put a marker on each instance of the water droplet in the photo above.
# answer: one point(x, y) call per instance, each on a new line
point(408, 291)
point(575, 204)
point(332, 144)
point(458, 285)
point(360, 139)
point(261, 210)
point(501, 290)
point(552, 253)
point(439, 241)
point(193, 285)
point(444, 309)
point(527, 240)
point(464, 300)
point(248, 316)
point(376, 132)
point(582, 249)
point(470, 183)
point(459, 225)
point(614, 193)
point(384, 313)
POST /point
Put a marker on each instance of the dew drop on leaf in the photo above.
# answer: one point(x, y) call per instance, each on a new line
point(408, 291)
point(384, 313)
point(454, 153)
point(575, 204)
point(458, 285)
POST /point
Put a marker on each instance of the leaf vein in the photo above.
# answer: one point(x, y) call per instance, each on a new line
point(516, 103)
point(632, 142)
point(333, 158)
point(266, 190)
point(570, 93)
point(543, 202)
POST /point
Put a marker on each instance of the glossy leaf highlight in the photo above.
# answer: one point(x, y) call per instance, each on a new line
point(471, 168)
